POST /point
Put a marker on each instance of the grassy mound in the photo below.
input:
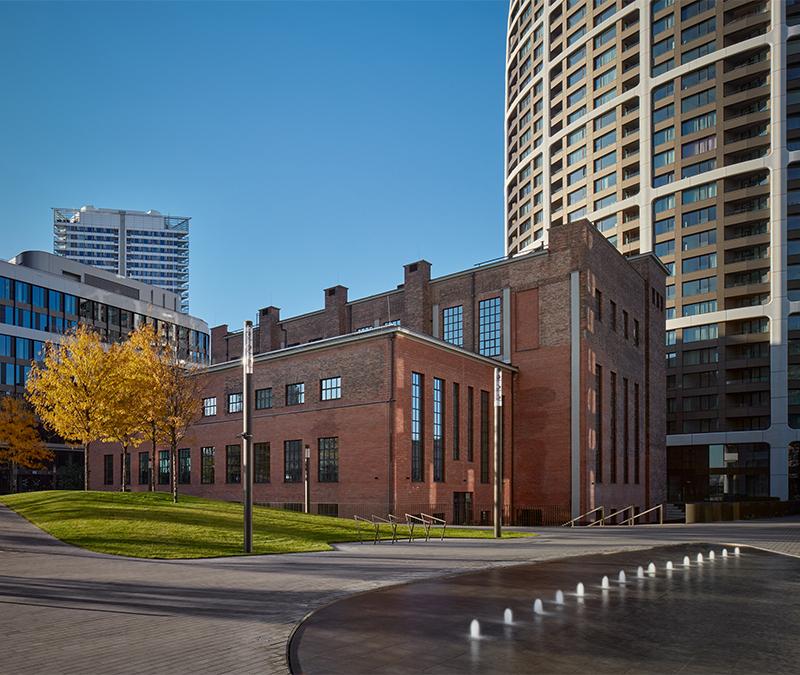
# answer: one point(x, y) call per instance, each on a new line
point(149, 525)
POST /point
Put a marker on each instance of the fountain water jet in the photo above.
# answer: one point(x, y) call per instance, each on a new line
point(622, 576)
point(605, 584)
point(537, 607)
point(736, 551)
point(474, 629)
point(559, 597)
point(640, 572)
point(686, 561)
point(508, 616)
point(579, 590)
point(699, 558)
point(651, 569)
point(724, 552)
point(669, 565)
point(711, 555)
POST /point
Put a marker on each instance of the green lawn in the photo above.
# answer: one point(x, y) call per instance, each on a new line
point(149, 525)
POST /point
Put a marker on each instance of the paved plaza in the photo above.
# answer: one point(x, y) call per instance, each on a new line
point(65, 610)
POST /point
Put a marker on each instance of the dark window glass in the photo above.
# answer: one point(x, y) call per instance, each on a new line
point(292, 461)
point(163, 467)
point(454, 325)
point(295, 393)
point(636, 433)
point(184, 466)
point(233, 464)
point(328, 460)
point(108, 469)
point(207, 465)
point(470, 425)
point(438, 429)
point(263, 398)
point(456, 420)
point(144, 468)
point(330, 388)
point(484, 436)
point(598, 459)
point(22, 292)
point(613, 448)
point(417, 427)
point(489, 327)
point(5, 288)
point(261, 460)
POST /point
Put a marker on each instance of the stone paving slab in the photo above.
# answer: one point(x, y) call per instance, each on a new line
point(76, 611)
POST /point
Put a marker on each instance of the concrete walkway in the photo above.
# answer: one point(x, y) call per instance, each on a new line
point(65, 610)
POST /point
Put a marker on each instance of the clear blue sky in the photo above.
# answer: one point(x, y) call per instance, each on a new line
point(312, 143)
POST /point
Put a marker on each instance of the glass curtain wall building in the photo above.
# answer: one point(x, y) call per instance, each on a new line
point(145, 246)
point(674, 126)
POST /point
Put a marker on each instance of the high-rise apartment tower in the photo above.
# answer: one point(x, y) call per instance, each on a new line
point(145, 246)
point(674, 126)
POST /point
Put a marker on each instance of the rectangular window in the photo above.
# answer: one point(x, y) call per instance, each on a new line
point(263, 398)
point(328, 460)
point(605, 161)
point(605, 58)
point(295, 393)
point(699, 99)
point(292, 461)
point(664, 113)
point(207, 465)
point(699, 286)
point(489, 327)
point(578, 135)
point(699, 193)
point(576, 155)
point(456, 420)
point(470, 425)
point(605, 78)
point(708, 331)
point(184, 466)
point(698, 76)
point(144, 468)
point(613, 425)
point(417, 427)
point(235, 402)
point(662, 159)
point(575, 176)
point(698, 146)
point(598, 453)
point(605, 141)
point(625, 429)
point(576, 96)
point(453, 322)
point(576, 57)
point(576, 76)
point(664, 203)
point(438, 429)
point(163, 467)
point(484, 436)
point(605, 119)
point(699, 123)
point(606, 36)
point(210, 406)
point(233, 464)
point(636, 433)
point(330, 388)
point(613, 315)
point(706, 238)
point(108, 469)
point(261, 473)
point(663, 136)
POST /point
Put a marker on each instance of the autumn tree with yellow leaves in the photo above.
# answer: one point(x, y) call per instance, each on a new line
point(68, 388)
point(20, 443)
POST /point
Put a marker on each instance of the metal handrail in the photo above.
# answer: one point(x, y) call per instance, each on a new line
point(391, 521)
point(658, 507)
point(602, 520)
point(413, 520)
point(361, 519)
point(436, 521)
point(571, 523)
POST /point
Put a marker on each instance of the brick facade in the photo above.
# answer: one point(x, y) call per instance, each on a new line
point(551, 420)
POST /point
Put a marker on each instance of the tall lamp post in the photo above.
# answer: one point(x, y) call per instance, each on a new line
point(247, 435)
point(498, 453)
point(307, 481)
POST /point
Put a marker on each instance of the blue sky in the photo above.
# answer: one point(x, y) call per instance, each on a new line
point(312, 143)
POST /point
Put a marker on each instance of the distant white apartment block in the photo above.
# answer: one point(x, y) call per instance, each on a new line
point(143, 245)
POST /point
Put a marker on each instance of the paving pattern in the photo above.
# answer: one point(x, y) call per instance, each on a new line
point(65, 610)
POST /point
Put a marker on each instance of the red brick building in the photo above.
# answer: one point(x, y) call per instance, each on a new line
point(393, 393)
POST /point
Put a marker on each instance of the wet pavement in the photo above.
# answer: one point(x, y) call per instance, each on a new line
point(732, 615)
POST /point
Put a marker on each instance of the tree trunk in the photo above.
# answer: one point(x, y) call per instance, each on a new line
point(85, 466)
point(14, 478)
point(124, 473)
point(174, 453)
point(153, 461)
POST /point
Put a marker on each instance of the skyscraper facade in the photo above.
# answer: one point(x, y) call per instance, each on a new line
point(145, 246)
point(674, 126)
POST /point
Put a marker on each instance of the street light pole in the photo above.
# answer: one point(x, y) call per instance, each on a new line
point(247, 435)
point(498, 453)
point(307, 481)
